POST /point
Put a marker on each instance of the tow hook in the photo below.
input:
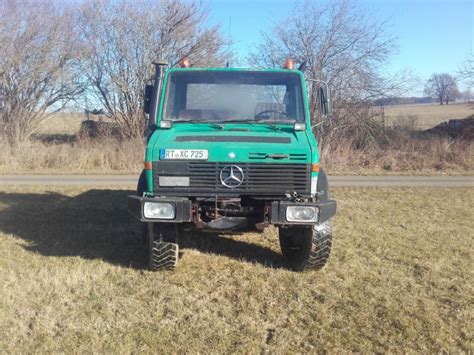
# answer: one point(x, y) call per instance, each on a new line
point(266, 219)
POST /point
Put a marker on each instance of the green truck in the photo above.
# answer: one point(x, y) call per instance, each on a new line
point(231, 150)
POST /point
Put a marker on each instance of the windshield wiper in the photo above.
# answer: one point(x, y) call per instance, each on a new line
point(252, 122)
point(213, 124)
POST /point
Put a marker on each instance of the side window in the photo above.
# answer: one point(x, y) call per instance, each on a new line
point(170, 102)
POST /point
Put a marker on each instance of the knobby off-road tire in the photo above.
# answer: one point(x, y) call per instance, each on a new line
point(160, 238)
point(141, 188)
point(306, 247)
point(162, 246)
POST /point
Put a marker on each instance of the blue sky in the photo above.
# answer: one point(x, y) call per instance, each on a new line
point(432, 35)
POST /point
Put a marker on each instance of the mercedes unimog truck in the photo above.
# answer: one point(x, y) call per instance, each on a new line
point(231, 150)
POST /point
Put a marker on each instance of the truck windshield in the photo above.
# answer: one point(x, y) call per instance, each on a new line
point(221, 96)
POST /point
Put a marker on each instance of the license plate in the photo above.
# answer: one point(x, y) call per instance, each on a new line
point(173, 180)
point(189, 154)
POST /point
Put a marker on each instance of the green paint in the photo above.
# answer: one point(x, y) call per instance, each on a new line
point(302, 142)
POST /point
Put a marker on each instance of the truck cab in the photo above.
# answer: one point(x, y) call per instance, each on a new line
point(231, 150)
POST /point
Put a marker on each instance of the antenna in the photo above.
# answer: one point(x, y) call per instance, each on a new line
point(302, 67)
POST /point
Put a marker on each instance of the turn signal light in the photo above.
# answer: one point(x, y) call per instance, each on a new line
point(298, 126)
point(147, 165)
point(184, 63)
point(288, 64)
point(315, 168)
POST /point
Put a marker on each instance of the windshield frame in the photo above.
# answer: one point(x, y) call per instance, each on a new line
point(301, 88)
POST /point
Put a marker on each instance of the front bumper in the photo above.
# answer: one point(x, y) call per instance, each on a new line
point(184, 211)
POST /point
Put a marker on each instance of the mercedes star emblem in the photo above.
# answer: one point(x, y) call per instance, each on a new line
point(232, 176)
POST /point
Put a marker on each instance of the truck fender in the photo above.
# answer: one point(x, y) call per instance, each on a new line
point(322, 187)
point(142, 183)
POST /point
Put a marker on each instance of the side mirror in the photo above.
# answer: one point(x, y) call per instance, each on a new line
point(323, 97)
point(324, 100)
point(147, 98)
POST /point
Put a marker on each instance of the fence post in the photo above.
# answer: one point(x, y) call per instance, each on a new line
point(382, 113)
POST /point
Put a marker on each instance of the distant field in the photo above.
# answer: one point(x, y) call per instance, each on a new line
point(400, 279)
point(62, 123)
point(428, 115)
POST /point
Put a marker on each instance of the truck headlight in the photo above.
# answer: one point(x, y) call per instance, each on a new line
point(158, 210)
point(302, 214)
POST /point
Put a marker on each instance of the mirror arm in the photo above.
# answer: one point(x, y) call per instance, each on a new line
point(317, 124)
point(147, 98)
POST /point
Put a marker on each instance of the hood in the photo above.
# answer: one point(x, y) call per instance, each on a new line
point(235, 142)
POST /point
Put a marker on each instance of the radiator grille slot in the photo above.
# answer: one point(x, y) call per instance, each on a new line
point(291, 156)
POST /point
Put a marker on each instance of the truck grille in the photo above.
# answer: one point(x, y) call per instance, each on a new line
point(264, 156)
point(259, 178)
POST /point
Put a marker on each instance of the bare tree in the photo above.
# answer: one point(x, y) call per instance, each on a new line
point(36, 66)
point(467, 95)
point(122, 39)
point(452, 94)
point(340, 43)
point(442, 87)
point(466, 72)
point(345, 45)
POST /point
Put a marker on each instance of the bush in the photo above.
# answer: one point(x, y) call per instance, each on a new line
point(91, 129)
point(355, 140)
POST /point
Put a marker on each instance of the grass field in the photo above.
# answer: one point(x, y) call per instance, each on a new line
point(63, 123)
point(400, 279)
point(427, 115)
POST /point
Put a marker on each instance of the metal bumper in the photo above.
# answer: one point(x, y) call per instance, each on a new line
point(183, 210)
point(182, 207)
point(278, 213)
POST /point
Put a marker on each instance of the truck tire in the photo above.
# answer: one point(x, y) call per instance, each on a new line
point(306, 247)
point(141, 188)
point(162, 246)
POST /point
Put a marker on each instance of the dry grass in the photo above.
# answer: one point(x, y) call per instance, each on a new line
point(427, 115)
point(400, 279)
point(110, 156)
point(58, 151)
point(105, 156)
point(414, 156)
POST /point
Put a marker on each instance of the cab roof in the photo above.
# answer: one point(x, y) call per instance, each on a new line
point(234, 69)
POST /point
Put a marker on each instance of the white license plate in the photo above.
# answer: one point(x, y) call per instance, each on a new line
point(173, 180)
point(189, 154)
